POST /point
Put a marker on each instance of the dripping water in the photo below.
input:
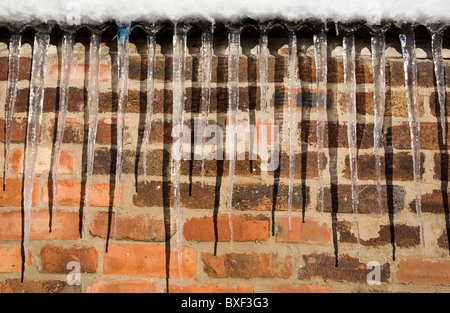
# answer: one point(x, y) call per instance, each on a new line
point(350, 97)
point(412, 96)
point(37, 85)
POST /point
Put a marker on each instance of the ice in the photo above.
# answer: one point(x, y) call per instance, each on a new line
point(179, 67)
point(123, 70)
point(234, 37)
point(408, 42)
point(11, 93)
point(66, 66)
point(151, 61)
point(292, 125)
point(350, 99)
point(379, 79)
point(439, 69)
point(94, 71)
point(37, 88)
point(320, 49)
point(207, 50)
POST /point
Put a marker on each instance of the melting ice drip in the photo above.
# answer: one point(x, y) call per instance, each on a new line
point(263, 83)
point(123, 70)
point(292, 125)
point(408, 42)
point(11, 93)
point(207, 50)
point(320, 49)
point(379, 80)
point(94, 72)
point(66, 67)
point(233, 107)
point(179, 66)
point(151, 62)
point(350, 99)
point(37, 88)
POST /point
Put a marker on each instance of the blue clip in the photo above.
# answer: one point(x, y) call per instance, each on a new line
point(124, 32)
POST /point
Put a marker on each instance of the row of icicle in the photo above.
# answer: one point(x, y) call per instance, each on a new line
point(37, 87)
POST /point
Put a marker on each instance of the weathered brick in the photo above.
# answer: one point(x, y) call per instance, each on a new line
point(245, 228)
point(37, 286)
point(24, 68)
point(69, 194)
point(67, 162)
point(435, 105)
point(18, 130)
point(139, 228)
point(249, 265)
point(10, 259)
point(429, 134)
point(305, 165)
point(131, 286)
point(283, 288)
point(64, 226)
point(55, 259)
point(431, 203)
point(210, 288)
point(404, 236)
point(348, 269)
point(441, 167)
point(143, 260)
point(339, 198)
point(309, 231)
point(79, 72)
point(13, 193)
point(424, 271)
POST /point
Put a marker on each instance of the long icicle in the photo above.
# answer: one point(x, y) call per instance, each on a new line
point(292, 126)
point(263, 85)
point(439, 69)
point(151, 62)
point(379, 81)
point(207, 51)
point(408, 42)
point(320, 49)
point(37, 88)
point(11, 93)
point(350, 96)
point(234, 38)
point(66, 67)
point(179, 66)
point(123, 70)
point(93, 96)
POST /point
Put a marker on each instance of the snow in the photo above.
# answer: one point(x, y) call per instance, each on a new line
point(96, 11)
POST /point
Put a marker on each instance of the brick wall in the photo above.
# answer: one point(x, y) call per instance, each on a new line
point(266, 255)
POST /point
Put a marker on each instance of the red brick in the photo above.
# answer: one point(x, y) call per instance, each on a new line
point(426, 271)
point(143, 260)
point(64, 226)
point(69, 193)
point(246, 228)
point(54, 259)
point(431, 203)
point(67, 162)
point(131, 286)
point(310, 231)
point(305, 165)
point(10, 259)
point(24, 68)
point(37, 286)
point(249, 265)
point(18, 130)
point(13, 194)
point(348, 269)
point(211, 288)
point(139, 228)
point(79, 72)
point(283, 288)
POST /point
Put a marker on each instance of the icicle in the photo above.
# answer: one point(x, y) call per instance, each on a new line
point(439, 69)
point(320, 48)
point(207, 50)
point(94, 71)
point(234, 38)
point(11, 92)
point(123, 70)
point(37, 88)
point(179, 66)
point(151, 61)
point(350, 84)
point(66, 67)
point(263, 81)
point(379, 80)
point(292, 126)
point(412, 96)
